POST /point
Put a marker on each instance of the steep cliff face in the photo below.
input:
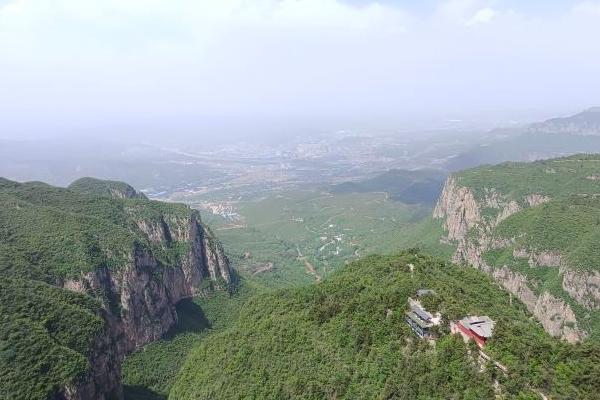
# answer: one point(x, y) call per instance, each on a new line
point(583, 286)
point(103, 380)
point(140, 298)
point(129, 261)
point(459, 209)
point(470, 222)
point(557, 318)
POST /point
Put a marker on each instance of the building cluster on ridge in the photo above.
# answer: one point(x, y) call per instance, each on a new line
point(422, 322)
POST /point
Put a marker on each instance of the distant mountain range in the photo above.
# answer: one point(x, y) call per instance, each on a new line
point(584, 123)
point(538, 141)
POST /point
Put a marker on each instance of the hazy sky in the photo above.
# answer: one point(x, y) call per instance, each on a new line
point(72, 64)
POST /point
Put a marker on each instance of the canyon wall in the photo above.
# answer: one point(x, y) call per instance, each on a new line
point(139, 298)
point(466, 227)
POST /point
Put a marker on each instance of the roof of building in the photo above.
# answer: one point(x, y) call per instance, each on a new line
point(425, 292)
point(421, 312)
point(482, 326)
point(418, 320)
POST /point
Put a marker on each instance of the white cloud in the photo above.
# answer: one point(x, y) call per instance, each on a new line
point(291, 57)
point(482, 16)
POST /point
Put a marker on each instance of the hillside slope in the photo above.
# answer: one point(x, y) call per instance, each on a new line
point(536, 228)
point(100, 187)
point(346, 338)
point(408, 186)
point(537, 141)
point(87, 278)
point(586, 122)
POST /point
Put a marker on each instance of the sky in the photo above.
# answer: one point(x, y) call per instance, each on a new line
point(80, 65)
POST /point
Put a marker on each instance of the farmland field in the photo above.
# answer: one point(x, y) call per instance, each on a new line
point(295, 237)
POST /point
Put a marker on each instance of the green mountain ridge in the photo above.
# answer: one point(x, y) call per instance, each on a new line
point(88, 275)
point(99, 187)
point(532, 230)
point(346, 338)
point(536, 228)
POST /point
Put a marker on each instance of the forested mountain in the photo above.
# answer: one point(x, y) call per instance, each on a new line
point(536, 228)
point(555, 137)
point(586, 122)
point(346, 338)
point(92, 272)
point(89, 274)
point(408, 186)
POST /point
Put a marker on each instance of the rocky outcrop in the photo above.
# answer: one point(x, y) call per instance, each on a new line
point(536, 199)
point(539, 258)
point(506, 211)
point(127, 192)
point(139, 298)
point(557, 317)
point(458, 206)
point(583, 286)
point(470, 224)
point(103, 381)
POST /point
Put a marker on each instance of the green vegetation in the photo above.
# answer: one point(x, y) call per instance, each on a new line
point(45, 335)
point(281, 233)
point(155, 366)
point(421, 186)
point(342, 338)
point(99, 187)
point(50, 234)
point(346, 338)
point(566, 226)
point(570, 226)
point(558, 178)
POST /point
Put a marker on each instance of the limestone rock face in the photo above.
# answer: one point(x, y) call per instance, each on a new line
point(557, 317)
point(459, 208)
point(584, 287)
point(103, 382)
point(539, 258)
point(139, 298)
point(536, 199)
point(472, 231)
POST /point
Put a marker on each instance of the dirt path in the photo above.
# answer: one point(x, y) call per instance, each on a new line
point(308, 266)
point(267, 267)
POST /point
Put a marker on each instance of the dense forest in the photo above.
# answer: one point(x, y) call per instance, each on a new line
point(88, 274)
point(346, 338)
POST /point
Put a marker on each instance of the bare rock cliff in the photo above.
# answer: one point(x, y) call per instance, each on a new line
point(473, 234)
point(583, 286)
point(139, 298)
point(459, 208)
point(557, 317)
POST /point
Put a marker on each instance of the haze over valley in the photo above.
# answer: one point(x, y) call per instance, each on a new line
point(333, 199)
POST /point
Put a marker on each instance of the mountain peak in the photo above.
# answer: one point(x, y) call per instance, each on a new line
point(106, 188)
point(586, 122)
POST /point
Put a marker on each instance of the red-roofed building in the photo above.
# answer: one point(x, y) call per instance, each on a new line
point(477, 328)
